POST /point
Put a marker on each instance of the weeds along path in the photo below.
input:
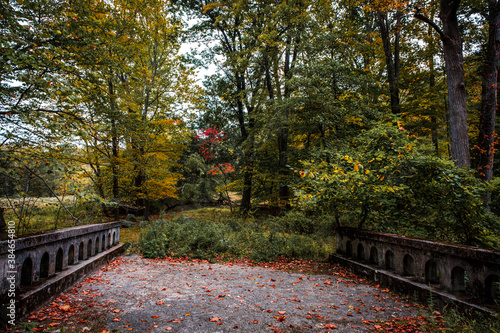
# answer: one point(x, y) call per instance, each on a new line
point(132, 294)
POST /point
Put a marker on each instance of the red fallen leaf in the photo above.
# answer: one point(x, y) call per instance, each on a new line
point(333, 326)
point(219, 323)
point(116, 319)
point(143, 320)
point(154, 317)
point(160, 303)
point(169, 328)
point(64, 308)
point(116, 311)
point(281, 312)
point(177, 320)
point(215, 319)
point(53, 324)
point(235, 327)
point(298, 307)
point(255, 321)
point(280, 318)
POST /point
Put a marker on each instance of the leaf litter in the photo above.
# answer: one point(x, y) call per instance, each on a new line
point(182, 295)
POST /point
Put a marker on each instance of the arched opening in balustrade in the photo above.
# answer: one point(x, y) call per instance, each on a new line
point(458, 279)
point(361, 252)
point(408, 265)
point(431, 272)
point(59, 260)
point(389, 260)
point(89, 248)
point(80, 251)
point(348, 249)
point(71, 255)
point(27, 272)
point(96, 245)
point(373, 256)
point(109, 240)
point(44, 266)
point(103, 243)
point(114, 237)
point(492, 289)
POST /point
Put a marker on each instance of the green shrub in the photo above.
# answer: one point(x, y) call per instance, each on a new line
point(184, 237)
point(296, 222)
point(215, 234)
point(152, 240)
point(384, 182)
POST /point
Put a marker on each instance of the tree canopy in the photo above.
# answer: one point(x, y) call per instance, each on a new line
point(379, 113)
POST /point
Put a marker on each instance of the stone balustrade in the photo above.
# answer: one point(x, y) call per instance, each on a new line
point(460, 270)
point(43, 256)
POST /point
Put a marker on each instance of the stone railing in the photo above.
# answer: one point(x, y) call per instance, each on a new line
point(460, 270)
point(43, 256)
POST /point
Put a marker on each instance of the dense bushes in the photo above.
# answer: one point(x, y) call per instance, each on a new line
point(291, 236)
point(384, 182)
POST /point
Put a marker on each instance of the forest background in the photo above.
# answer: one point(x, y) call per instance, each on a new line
point(365, 113)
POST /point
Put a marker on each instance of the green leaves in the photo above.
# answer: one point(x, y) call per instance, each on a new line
point(384, 181)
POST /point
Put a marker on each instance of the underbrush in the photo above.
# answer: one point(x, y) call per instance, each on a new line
point(212, 233)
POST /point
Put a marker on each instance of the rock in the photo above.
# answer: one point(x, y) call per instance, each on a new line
point(127, 224)
point(131, 218)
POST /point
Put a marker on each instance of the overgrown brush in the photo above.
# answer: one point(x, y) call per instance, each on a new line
point(221, 235)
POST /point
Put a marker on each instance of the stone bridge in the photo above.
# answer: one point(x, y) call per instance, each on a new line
point(34, 268)
point(458, 273)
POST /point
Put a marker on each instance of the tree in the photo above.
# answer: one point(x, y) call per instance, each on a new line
point(453, 57)
point(486, 142)
point(392, 58)
point(228, 22)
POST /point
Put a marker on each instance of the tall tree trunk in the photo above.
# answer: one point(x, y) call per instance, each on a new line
point(247, 136)
point(114, 167)
point(392, 63)
point(114, 149)
point(246, 203)
point(290, 58)
point(489, 95)
point(432, 85)
point(453, 58)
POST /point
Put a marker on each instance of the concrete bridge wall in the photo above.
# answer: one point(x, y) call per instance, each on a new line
point(460, 270)
point(42, 256)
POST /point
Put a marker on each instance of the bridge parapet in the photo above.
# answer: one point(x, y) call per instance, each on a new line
point(43, 256)
point(465, 271)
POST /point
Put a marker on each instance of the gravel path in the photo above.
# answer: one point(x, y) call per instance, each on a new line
point(133, 294)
